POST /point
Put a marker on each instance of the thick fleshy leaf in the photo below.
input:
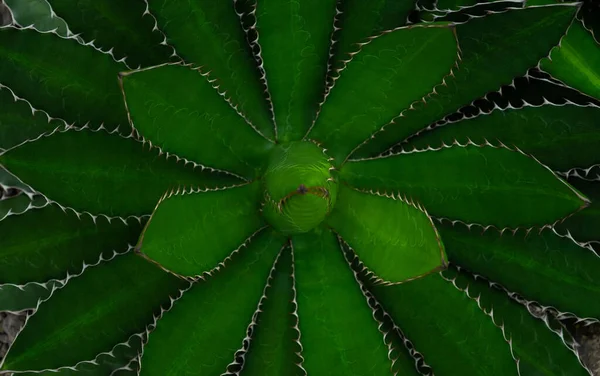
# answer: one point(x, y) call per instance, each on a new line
point(209, 33)
point(584, 225)
point(20, 122)
point(359, 20)
point(123, 27)
point(86, 317)
point(37, 13)
point(476, 184)
point(46, 243)
point(454, 335)
point(100, 172)
point(176, 108)
point(370, 224)
point(512, 41)
point(191, 232)
point(206, 327)
point(54, 74)
point(273, 348)
point(294, 39)
point(576, 61)
point(21, 297)
point(539, 350)
point(339, 334)
point(560, 137)
point(541, 266)
point(373, 89)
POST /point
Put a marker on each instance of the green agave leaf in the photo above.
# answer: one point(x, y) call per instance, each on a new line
point(294, 40)
point(126, 28)
point(192, 119)
point(339, 334)
point(372, 89)
point(191, 232)
point(485, 184)
point(203, 331)
point(20, 122)
point(49, 242)
point(454, 4)
point(369, 222)
point(560, 137)
point(542, 266)
point(103, 172)
point(464, 10)
point(15, 298)
point(583, 226)
point(209, 33)
point(37, 13)
point(539, 350)
point(513, 41)
point(576, 60)
point(274, 347)
point(53, 73)
point(86, 317)
point(448, 327)
point(20, 204)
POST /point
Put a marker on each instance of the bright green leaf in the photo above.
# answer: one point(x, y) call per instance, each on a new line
point(176, 108)
point(377, 84)
point(339, 335)
point(191, 232)
point(476, 184)
point(100, 172)
point(94, 311)
point(206, 327)
point(209, 33)
point(370, 224)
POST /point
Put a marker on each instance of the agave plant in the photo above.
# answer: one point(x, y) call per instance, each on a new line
point(277, 188)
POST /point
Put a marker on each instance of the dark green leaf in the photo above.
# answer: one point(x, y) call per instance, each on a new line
point(576, 61)
point(103, 172)
point(339, 334)
point(511, 41)
point(377, 84)
point(47, 243)
point(176, 108)
point(86, 317)
point(584, 224)
point(206, 327)
point(539, 350)
point(209, 33)
point(560, 137)
point(482, 184)
point(63, 77)
point(21, 297)
point(455, 336)
point(370, 223)
point(541, 266)
point(294, 40)
point(20, 204)
point(37, 13)
point(191, 232)
point(124, 27)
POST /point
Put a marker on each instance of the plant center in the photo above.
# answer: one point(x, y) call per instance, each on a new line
point(299, 188)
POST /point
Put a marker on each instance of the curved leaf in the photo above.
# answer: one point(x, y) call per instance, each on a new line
point(37, 13)
point(294, 39)
point(331, 308)
point(370, 224)
point(87, 317)
point(102, 172)
point(47, 243)
point(191, 232)
point(176, 108)
point(476, 184)
point(454, 334)
point(584, 225)
point(373, 89)
point(576, 61)
point(209, 33)
point(540, 266)
point(560, 137)
point(513, 41)
point(123, 27)
point(209, 323)
point(54, 74)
